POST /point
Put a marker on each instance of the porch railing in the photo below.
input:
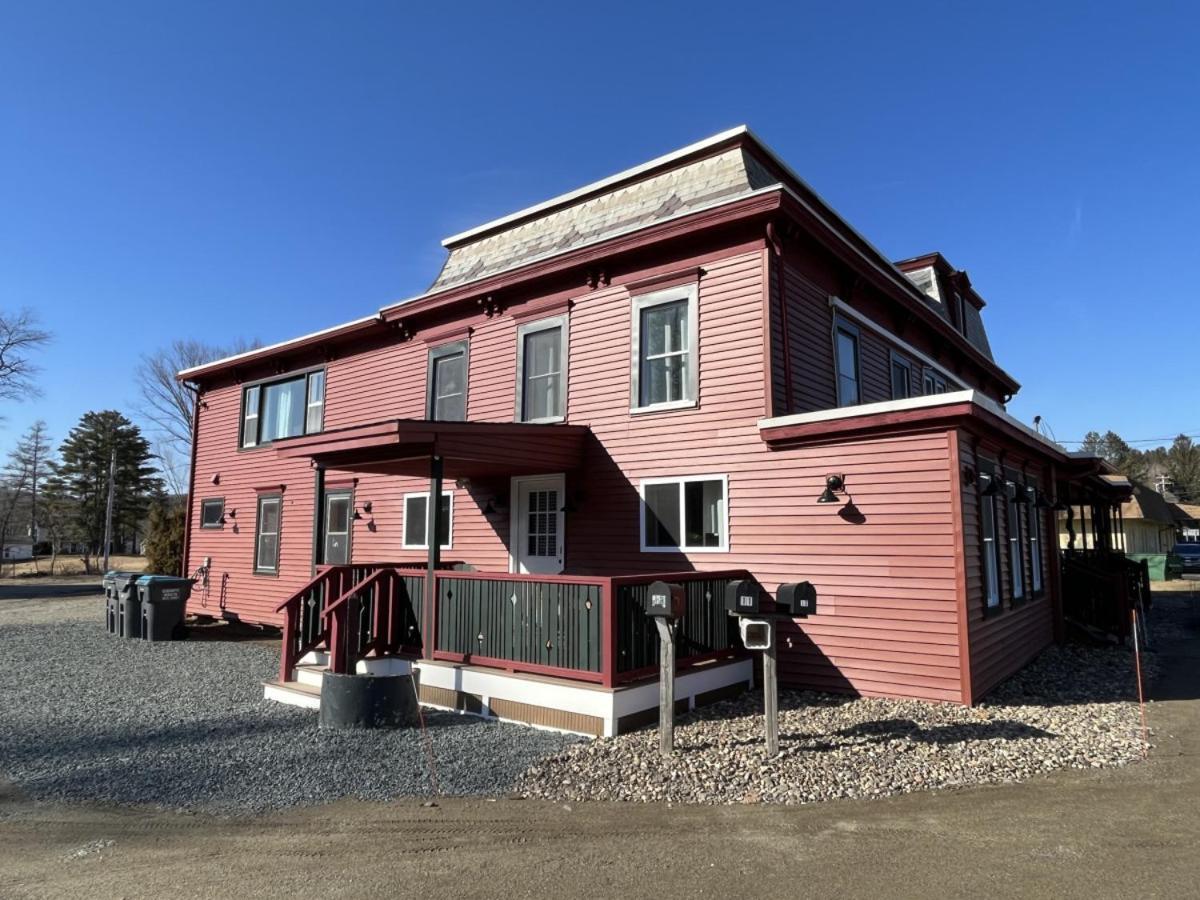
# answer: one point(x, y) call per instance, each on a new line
point(586, 628)
point(1100, 589)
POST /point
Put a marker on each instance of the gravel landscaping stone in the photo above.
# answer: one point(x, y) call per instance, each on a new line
point(1072, 708)
point(86, 716)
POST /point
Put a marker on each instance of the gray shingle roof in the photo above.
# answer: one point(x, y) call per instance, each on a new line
point(715, 179)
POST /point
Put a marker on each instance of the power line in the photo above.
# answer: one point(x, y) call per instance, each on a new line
point(1157, 440)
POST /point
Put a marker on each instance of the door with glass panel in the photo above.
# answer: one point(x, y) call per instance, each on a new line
point(537, 525)
point(336, 541)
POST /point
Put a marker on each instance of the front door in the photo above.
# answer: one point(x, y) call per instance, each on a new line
point(337, 528)
point(537, 525)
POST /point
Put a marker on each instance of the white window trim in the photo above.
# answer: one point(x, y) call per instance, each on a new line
point(261, 384)
point(449, 545)
point(559, 322)
point(681, 480)
point(690, 293)
point(1016, 549)
point(1034, 524)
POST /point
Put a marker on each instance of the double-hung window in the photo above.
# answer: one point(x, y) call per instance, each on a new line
point(286, 407)
point(687, 513)
point(447, 396)
point(991, 556)
point(1016, 550)
point(1035, 547)
point(901, 377)
point(665, 335)
point(845, 355)
point(416, 521)
point(542, 371)
point(933, 383)
point(266, 534)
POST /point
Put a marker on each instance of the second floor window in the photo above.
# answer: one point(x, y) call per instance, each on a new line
point(901, 378)
point(664, 349)
point(541, 371)
point(845, 345)
point(284, 408)
point(933, 383)
point(448, 383)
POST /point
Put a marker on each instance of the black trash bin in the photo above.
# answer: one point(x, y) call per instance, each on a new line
point(113, 582)
point(163, 600)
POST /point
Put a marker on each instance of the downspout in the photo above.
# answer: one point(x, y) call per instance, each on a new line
point(433, 558)
point(318, 549)
point(191, 496)
point(776, 243)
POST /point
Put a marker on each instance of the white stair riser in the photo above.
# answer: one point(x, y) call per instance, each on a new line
point(308, 675)
point(291, 698)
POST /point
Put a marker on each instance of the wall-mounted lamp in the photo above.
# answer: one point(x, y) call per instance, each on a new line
point(834, 484)
point(989, 485)
point(462, 483)
point(571, 503)
point(366, 508)
point(216, 479)
point(1027, 494)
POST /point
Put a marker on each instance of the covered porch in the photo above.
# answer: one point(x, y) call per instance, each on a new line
point(1101, 585)
point(553, 649)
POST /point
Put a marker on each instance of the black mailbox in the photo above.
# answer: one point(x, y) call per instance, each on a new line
point(797, 599)
point(665, 600)
point(742, 597)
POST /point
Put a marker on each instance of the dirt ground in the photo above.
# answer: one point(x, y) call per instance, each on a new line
point(66, 569)
point(1131, 832)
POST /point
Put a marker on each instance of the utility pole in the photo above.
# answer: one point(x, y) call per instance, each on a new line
point(112, 473)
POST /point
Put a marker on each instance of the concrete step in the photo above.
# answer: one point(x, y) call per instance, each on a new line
point(310, 675)
point(293, 693)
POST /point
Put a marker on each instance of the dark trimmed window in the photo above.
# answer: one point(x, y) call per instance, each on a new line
point(338, 512)
point(266, 534)
point(991, 555)
point(845, 353)
point(933, 383)
point(212, 513)
point(447, 391)
point(1016, 548)
point(287, 407)
point(1035, 548)
point(901, 378)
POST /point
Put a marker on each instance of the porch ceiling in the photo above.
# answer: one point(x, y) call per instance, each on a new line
point(467, 449)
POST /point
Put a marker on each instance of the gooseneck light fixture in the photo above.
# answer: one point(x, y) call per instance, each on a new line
point(834, 484)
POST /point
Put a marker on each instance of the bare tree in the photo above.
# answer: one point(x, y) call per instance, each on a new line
point(20, 336)
point(167, 403)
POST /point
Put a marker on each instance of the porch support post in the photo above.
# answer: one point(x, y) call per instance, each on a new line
point(433, 527)
point(318, 549)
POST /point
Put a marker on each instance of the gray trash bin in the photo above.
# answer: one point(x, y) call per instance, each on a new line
point(113, 582)
point(163, 601)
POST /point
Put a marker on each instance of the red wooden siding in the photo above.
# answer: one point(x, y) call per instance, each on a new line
point(1002, 642)
point(888, 623)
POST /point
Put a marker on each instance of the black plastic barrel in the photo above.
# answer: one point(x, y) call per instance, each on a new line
point(369, 701)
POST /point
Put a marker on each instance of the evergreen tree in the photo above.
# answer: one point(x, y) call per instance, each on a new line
point(1183, 468)
point(81, 474)
point(29, 465)
point(164, 538)
point(1125, 459)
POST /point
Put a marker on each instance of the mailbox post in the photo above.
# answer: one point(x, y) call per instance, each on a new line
point(796, 600)
point(665, 603)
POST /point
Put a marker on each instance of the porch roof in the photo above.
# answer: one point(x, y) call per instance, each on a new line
point(467, 449)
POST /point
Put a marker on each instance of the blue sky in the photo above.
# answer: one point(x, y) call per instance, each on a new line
point(261, 170)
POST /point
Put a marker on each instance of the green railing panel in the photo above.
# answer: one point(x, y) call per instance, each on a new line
point(543, 623)
point(705, 627)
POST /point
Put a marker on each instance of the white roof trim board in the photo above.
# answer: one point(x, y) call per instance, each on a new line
point(928, 401)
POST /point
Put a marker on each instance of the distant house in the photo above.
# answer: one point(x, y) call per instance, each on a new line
point(18, 548)
point(1187, 521)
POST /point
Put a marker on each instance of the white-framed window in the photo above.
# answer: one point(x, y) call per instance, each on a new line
point(283, 407)
point(266, 534)
point(447, 391)
point(542, 371)
point(846, 363)
point(416, 520)
point(991, 557)
point(665, 337)
point(687, 513)
point(1016, 550)
point(1035, 547)
point(901, 377)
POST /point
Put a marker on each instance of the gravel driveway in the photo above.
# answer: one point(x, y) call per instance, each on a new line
point(85, 716)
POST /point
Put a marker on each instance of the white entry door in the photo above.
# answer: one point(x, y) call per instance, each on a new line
point(537, 524)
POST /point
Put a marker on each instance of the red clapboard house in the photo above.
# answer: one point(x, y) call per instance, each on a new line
point(656, 373)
